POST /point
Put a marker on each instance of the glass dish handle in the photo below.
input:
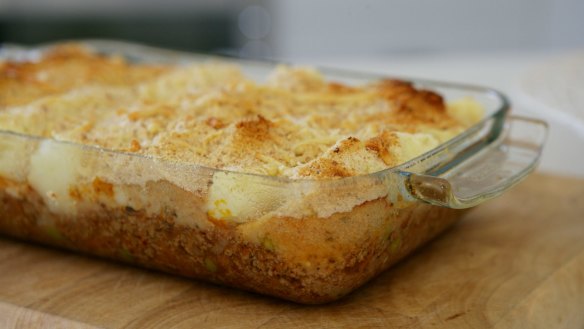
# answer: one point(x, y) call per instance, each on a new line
point(500, 165)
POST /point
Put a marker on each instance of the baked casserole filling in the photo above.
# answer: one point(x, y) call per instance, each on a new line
point(307, 242)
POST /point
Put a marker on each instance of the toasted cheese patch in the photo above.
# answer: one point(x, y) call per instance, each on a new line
point(348, 157)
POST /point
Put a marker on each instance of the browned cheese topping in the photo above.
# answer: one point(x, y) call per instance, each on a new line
point(295, 124)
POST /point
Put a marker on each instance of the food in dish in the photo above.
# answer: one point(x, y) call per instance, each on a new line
point(196, 169)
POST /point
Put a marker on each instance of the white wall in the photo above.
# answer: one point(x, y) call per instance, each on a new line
point(304, 28)
point(329, 27)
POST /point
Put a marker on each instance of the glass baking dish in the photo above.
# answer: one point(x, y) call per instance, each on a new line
point(308, 241)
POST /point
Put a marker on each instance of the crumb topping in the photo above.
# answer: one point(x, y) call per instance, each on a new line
point(296, 124)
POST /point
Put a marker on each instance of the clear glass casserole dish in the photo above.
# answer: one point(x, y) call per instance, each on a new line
point(305, 240)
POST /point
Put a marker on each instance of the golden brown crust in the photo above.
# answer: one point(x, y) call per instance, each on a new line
point(64, 68)
point(211, 115)
point(381, 144)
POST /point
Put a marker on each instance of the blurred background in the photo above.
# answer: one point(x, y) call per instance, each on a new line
point(533, 50)
point(303, 27)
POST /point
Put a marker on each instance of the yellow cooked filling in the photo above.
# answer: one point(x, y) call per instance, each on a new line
point(296, 124)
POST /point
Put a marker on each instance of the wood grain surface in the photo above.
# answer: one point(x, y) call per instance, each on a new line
point(514, 262)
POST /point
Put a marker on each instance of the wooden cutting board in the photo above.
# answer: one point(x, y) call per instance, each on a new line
point(517, 261)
